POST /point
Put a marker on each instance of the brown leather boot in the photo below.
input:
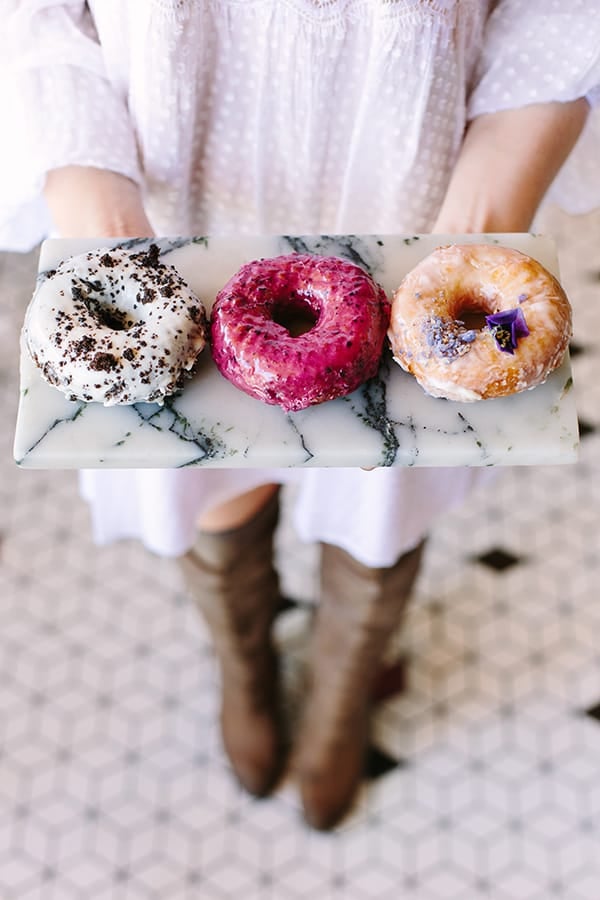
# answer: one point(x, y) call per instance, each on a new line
point(232, 579)
point(359, 610)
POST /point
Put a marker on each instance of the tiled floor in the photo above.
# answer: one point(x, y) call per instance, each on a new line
point(113, 785)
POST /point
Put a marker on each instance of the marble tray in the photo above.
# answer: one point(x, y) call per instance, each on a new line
point(389, 421)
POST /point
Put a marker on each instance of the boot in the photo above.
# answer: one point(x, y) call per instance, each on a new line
point(359, 610)
point(232, 579)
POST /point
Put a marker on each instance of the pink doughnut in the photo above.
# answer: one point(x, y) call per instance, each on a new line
point(523, 329)
point(254, 349)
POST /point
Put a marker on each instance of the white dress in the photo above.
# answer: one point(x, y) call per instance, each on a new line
point(280, 116)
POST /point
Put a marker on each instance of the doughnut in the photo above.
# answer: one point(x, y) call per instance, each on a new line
point(253, 348)
point(115, 326)
point(472, 322)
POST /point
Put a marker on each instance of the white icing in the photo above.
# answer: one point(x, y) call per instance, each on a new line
point(440, 388)
point(115, 326)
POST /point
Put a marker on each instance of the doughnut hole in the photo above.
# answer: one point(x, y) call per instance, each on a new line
point(108, 316)
point(295, 314)
point(472, 309)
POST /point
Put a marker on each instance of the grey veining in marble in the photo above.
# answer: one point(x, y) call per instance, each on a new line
point(388, 421)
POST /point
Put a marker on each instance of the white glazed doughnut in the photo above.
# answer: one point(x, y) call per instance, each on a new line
point(115, 326)
point(523, 333)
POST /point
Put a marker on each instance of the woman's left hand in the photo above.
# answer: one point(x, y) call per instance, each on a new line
point(506, 164)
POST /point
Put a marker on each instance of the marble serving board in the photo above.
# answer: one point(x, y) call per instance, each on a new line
point(389, 421)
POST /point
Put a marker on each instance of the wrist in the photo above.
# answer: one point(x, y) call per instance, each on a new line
point(88, 202)
point(507, 161)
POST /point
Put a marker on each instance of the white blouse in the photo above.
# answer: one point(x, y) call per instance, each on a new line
point(280, 116)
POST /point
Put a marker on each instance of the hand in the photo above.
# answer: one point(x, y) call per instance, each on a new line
point(88, 202)
point(507, 162)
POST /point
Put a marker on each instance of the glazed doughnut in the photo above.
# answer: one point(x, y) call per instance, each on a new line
point(254, 349)
point(522, 338)
point(114, 326)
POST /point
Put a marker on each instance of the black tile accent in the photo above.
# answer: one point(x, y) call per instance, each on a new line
point(498, 559)
point(286, 604)
point(594, 712)
point(576, 349)
point(378, 763)
point(585, 428)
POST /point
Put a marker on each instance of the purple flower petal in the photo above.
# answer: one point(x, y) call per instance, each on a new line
point(507, 327)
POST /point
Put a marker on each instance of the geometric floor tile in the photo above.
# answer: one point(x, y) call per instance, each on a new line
point(483, 775)
point(498, 559)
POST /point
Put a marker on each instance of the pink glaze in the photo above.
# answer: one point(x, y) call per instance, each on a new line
point(332, 359)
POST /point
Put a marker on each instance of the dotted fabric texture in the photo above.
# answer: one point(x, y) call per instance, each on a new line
point(284, 116)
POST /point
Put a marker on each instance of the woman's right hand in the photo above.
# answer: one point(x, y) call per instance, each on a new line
point(89, 202)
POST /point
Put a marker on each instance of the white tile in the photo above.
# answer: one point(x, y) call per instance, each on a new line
point(113, 781)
